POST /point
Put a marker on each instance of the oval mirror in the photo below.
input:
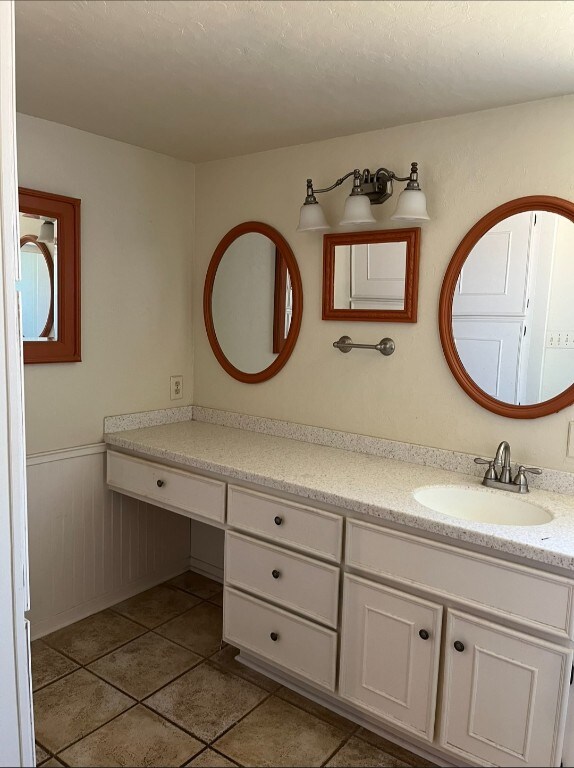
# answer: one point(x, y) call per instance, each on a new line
point(37, 289)
point(253, 302)
point(506, 311)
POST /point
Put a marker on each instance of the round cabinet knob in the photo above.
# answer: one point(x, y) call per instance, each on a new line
point(278, 520)
point(275, 573)
point(458, 646)
point(274, 636)
point(423, 634)
point(160, 483)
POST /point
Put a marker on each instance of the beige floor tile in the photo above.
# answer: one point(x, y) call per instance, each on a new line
point(41, 754)
point(48, 665)
point(210, 759)
point(225, 659)
point(206, 701)
point(359, 754)
point(156, 606)
point(200, 629)
point(278, 734)
point(393, 749)
point(327, 715)
point(196, 584)
point(73, 706)
point(144, 665)
point(136, 738)
point(90, 638)
point(52, 763)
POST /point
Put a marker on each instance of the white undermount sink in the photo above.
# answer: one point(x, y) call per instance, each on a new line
point(482, 506)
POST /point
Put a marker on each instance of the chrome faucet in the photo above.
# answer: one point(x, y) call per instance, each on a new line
point(502, 460)
point(499, 473)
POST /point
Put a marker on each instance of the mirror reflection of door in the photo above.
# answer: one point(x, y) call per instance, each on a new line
point(282, 303)
point(38, 255)
point(370, 276)
point(252, 302)
point(513, 309)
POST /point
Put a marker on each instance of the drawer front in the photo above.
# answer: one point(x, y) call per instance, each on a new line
point(295, 581)
point(301, 647)
point(539, 599)
point(310, 530)
point(192, 494)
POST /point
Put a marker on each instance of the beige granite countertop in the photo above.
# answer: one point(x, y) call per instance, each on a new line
point(363, 483)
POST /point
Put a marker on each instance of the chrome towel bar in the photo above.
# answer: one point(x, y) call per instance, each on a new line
point(385, 346)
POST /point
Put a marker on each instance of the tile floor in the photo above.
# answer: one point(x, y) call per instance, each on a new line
point(149, 683)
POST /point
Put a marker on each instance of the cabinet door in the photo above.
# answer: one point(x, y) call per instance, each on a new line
point(389, 654)
point(505, 694)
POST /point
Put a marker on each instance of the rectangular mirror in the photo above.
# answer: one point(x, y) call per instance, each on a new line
point(371, 275)
point(50, 276)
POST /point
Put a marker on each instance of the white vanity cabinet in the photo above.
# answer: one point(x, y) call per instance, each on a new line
point(282, 576)
point(460, 652)
point(390, 650)
point(505, 694)
point(504, 691)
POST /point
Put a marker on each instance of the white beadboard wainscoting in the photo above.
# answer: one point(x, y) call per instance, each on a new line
point(90, 547)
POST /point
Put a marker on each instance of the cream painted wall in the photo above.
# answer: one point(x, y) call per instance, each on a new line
point(137, 220)
point(469, 164)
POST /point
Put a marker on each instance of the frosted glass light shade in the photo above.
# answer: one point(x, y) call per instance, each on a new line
point(46, 232)
point(357, 211)
point(312, 219)
point(411, 206)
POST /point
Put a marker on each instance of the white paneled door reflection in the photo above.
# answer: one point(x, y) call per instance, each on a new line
point(500, 307)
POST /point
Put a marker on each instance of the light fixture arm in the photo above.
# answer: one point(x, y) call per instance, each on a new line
point(412, 178)
point(312, 192)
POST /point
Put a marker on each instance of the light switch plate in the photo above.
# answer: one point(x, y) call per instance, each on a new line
point(570, 448)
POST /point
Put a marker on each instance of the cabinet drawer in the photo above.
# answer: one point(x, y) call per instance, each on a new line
point(505, 694)
point(310, 530)
point(301, 647)
point(189, 494)
point(295, 581)
point(541, 600)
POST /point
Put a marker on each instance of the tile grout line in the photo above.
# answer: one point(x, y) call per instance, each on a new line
point(136, 701)
point(203, 659)
point(339, 748)
point(123, 644)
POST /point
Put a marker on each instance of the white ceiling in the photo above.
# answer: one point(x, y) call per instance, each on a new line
point(202, 80)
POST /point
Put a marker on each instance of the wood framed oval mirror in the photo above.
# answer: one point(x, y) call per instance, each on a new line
point(253, 302)
point(37, 289)
point(506, 312)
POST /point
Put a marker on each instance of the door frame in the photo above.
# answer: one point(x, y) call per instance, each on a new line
point(16, 718)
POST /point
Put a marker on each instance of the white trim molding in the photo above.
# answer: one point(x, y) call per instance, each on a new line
point(65, 453)
point(16, 718)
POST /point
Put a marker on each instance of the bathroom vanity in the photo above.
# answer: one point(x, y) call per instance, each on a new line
point(451, 636)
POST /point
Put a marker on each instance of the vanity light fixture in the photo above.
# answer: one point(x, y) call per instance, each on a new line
point(368, 189)
point(46, 232)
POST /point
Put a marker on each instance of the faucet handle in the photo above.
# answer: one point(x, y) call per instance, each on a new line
point(520, 478)
point(490, 473)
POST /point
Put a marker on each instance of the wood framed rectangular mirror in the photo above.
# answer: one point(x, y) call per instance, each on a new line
point(371, 276)
point(50, 276)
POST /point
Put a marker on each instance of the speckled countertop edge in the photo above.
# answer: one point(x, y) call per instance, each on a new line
point(369, 485)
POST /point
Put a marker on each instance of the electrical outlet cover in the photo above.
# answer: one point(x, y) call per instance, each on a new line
point(176, 387)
